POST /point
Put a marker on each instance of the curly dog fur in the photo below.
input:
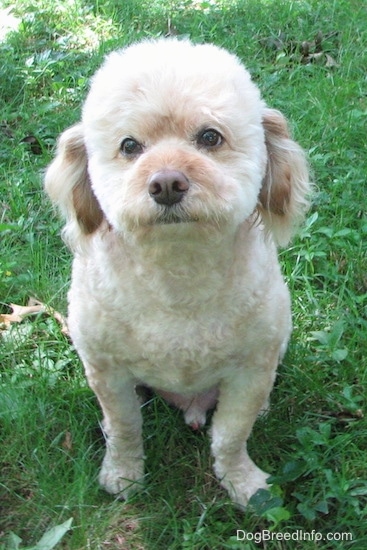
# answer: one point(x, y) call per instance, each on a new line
point(177, 185)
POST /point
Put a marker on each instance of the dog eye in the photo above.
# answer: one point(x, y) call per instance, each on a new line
point(130, 147)
point(209, 138)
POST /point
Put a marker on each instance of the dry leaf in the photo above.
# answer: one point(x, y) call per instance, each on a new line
point(33, 302)
point(34, 307)
point(344, 415)
point(330, 61)
point(18, 313)
point(318, 56)
point(34, 144)
point(306, 51)
point(67, 444)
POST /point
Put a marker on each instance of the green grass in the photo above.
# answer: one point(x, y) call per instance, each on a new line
point(315, 437)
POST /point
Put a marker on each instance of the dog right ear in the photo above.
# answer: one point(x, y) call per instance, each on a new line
point(68, 185)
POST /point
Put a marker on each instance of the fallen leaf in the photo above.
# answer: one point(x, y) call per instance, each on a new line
point(5, 129)
point(34, 144)
point(304, 51)
point(67, 444)
point(318, 41)
point(330, 61)
point(33, 302)
point(314, 57)
point(19, 313)
point(344, 415)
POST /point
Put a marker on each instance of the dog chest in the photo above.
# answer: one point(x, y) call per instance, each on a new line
point(185, 347)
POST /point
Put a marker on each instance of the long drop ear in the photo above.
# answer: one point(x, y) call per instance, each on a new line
point(68, 185)
point(283, 199)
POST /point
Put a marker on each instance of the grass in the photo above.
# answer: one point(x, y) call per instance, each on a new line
point(315, 437)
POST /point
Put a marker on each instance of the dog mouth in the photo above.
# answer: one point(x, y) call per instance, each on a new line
point(172, 215)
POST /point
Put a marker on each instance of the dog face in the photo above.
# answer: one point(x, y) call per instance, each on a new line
point(174, 133)
point(167, 146)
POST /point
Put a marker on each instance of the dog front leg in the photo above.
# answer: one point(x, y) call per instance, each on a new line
point(241, 399)
point(123, 464)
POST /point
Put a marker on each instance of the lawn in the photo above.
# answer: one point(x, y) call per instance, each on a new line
point(309, 59)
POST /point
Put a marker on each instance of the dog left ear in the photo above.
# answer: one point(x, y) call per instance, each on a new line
point(67, 182)
point(283, 195)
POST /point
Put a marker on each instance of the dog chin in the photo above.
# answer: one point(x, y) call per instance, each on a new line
point(170, 216)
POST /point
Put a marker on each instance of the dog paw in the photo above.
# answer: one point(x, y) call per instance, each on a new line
point(242, 492)
point(243, 481)
point(123, 479)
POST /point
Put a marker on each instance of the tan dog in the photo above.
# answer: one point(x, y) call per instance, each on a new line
point(175, 185)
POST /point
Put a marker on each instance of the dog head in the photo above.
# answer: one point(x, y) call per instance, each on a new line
point(175, 133)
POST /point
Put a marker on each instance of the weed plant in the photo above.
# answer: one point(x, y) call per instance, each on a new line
point(309, 59)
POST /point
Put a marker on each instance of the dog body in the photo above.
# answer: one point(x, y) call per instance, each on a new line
point(176, 186)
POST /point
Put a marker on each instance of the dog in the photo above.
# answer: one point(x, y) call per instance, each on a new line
point(177, 186)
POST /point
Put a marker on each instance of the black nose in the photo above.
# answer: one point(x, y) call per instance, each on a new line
point(168, 186)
